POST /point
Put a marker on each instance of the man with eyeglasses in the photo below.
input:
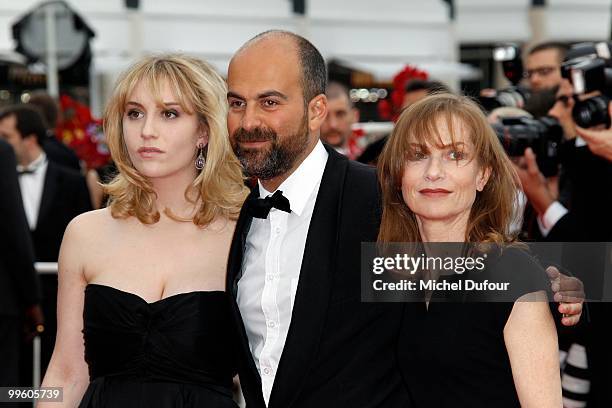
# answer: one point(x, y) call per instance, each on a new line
point(543, 65)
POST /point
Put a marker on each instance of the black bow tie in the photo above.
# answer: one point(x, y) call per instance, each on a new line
point(26, 171)
point(260, 207)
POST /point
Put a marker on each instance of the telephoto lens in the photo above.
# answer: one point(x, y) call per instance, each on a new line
point(542, 135)
point(592, 112)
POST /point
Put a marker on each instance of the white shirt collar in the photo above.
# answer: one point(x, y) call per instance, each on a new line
point(301, 183)
point(342, 150)
point(36, 164)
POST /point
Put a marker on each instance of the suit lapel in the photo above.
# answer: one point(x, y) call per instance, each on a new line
point(252, 385)
point(234, 265)
point(314, 286)
point(48, 194)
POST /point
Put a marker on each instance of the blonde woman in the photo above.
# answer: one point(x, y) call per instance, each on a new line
point(143, 317)
point(446, 178)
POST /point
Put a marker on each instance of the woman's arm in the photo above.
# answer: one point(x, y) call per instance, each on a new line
point(531, 340)
point(67, 368)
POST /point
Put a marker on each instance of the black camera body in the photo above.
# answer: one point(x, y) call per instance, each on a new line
point(509, 55)
point(514, 96)
point(542, 135)
point(588, 66)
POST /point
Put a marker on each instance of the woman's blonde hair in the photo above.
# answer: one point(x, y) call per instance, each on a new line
point(219, 188)
point(493, 208)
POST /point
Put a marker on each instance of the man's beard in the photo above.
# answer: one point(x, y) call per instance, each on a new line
point(541, 101)
point(274, 160)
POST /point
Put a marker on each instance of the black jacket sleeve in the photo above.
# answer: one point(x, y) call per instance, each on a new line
point(16, 251)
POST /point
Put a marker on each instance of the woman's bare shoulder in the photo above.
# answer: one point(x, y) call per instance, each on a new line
point(90, 224)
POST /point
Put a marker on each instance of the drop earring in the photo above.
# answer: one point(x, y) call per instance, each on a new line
point(200, 160)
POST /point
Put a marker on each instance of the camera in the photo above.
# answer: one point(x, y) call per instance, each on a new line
point(513, 96)
point(588, 66)
point(592, 112)
point(509, 55)
point(542, 135)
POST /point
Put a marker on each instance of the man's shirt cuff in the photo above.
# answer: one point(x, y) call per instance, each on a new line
point(551, 216)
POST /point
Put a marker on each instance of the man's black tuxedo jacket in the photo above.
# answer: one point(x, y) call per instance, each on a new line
point(19, 285)
point(65, 196)
point(339, 352)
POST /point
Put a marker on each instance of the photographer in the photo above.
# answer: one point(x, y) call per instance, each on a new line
point(534, 81)
point(586, 161)
point(543, 65)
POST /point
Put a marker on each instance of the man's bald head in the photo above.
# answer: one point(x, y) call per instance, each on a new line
point(312, 64)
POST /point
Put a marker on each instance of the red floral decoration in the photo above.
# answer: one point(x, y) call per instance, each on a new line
point(389, 109)
point(356, 143)
point(82, 132)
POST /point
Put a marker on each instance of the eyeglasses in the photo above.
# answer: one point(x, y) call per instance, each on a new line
point(541, 71)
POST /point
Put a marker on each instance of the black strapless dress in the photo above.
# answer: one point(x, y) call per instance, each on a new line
point(177, 352)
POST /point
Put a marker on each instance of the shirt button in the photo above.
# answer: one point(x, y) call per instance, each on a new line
point(267, 371)
point(277, 230)
point(271, 323)
point(270, 278)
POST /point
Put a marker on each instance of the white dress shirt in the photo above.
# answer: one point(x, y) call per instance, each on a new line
point(272, 263)
point(32, 185)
